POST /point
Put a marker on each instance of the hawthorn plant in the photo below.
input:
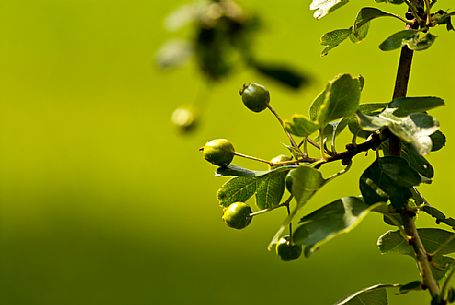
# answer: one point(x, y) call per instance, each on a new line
point(400, 133)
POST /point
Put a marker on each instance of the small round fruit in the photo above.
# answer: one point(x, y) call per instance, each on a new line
point(286, 250)
point(218, 152)
point(255, 96)
point(237, 215)
point(279, 159)
point(184, 118)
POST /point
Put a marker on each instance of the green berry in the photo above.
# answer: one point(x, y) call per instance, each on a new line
point(218, 152)
point(237, 215)
point(286, 250)
point(184, 118)
point(255, 96)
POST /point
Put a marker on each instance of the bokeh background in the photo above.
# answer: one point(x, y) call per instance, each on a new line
point(104, 202)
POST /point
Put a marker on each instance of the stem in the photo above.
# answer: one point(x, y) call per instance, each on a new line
point(428, 11)
point(291, 139)
point(321, 144)
point(253, 158)
point(421, 254)
point(401, 88)
point(283, 204)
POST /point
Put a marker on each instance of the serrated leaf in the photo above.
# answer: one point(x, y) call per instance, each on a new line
point(408, 105)
point(303, 182)
point(282, 74)
point(336, 218)
point(323, 7)
point(342, 99)
point(388, 177)
point(374, 295)
point(334, 39)
point(270, 190)
point(236, 189)
point(397, 40)
point(300, 126)
point(438, 139)
point(432, 238)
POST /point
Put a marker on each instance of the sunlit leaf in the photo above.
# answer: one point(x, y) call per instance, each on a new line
point(303, 182)
point(270, 190)
point(334, 39)
point(342, 99)
point(300, 126)
point(236, 189)
point(323, 7)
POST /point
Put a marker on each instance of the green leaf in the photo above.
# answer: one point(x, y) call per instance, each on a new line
point(438, 139)
point(411, 286)
point(408, 105)
point(391, 1)
point(397, 40)
point(432, 238)
point(300, 126)
point(270, 190)
point(388, 177)
point(421, 42)
point(314, 108)
point(235, 170)
point(416, 160)
point(445, 264)
point(323, 7)
point(236, 189)
point(367, 14)
point(281, 73)
point(334, 39)
point(414, 129)
point(374, 295)
point(360, 33)
point(439, 216)
point(303, 182)
point(342, 99)
point(336, 218)
point(413, 39)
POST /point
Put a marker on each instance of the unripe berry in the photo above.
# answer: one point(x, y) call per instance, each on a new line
point(237, 215)
point(255, 96)
point(288, 251)
point(218, 152)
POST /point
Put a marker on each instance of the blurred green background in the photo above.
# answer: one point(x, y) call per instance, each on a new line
point(103, 202)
